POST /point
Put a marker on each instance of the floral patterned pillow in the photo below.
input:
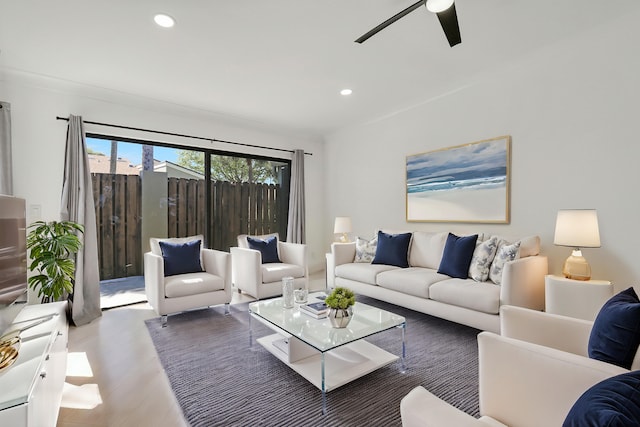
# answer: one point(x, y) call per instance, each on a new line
point(365, 249)
point(482, 258)
point(506, 252)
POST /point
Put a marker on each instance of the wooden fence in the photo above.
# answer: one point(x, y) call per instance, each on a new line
point(234, 209)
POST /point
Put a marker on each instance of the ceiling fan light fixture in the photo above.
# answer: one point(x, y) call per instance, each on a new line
point(437, 6)
point(164, 20)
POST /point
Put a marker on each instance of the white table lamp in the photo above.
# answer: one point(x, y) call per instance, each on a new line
point(577, 228)
point(342, 226)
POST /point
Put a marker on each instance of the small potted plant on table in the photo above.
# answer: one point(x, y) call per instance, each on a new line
point(340, 303)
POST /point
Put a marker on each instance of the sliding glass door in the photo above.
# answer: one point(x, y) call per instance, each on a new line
point(143, 189)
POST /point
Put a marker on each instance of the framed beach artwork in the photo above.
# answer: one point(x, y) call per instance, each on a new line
point(465, 183)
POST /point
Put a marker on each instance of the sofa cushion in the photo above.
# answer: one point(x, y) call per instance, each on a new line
point(482, 258)
point(504, 254)
point(154, 242)
point(243, 243)
point(274, 272)
point(365, 249)
point(392, 249)
point(268, 248)
point(614, 402)
point(191, 284)
point(615, 334)
point(457, 255)
point(181, 258)
point(411, 281)
point(467, 293)
point(361, 272)
point(426, 249)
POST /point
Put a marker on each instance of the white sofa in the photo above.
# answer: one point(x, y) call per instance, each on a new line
point(530, 376)
point(420, 287)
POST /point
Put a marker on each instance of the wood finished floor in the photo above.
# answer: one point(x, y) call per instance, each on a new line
point(114, 377)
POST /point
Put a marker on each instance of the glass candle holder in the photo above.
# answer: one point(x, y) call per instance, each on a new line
point(287, 292)
point(300, 295)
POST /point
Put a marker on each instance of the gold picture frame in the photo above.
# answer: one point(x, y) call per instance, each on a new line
point(465, 183)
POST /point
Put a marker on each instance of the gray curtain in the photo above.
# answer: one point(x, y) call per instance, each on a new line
point(77, 205)
point(6, 171)
point(295, 226)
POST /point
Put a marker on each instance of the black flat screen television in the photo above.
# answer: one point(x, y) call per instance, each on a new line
point(13, 259)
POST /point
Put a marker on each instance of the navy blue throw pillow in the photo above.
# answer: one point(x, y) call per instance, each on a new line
point(615, 334)
point(181, 258)
point(457, 255)
point(392, 249)
point(614, 402)
point(268, 248)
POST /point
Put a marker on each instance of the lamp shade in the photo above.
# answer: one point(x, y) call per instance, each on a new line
point(577, 228)
point(342, 225)
point(437, 6)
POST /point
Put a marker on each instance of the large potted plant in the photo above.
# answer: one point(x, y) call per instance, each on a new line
point(52, 248)
point(340, 303)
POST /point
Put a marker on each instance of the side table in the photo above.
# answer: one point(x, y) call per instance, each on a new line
point(576, 298)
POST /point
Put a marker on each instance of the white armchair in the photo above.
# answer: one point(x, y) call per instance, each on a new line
point(530, 376)
point(265, 280)
point(181, 292)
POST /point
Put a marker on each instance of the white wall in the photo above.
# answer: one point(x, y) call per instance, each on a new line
point(38, 140)
point(572, 111)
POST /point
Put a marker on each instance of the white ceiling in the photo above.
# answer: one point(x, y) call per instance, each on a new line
point(281, 62)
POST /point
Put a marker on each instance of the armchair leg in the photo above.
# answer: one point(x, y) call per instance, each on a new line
point(226, 309)
point(163, 320)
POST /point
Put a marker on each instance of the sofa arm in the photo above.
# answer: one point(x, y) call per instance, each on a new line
point(528, 385)
point(523, 282)
point(245, 266)
point(343, 253)
point(420, 408)
point(153, 278)
point(293, 253)
point(218, 263)
point(546, 329)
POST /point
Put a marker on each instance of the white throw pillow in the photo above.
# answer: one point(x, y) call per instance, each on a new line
point(482, 258)
point(426, 249)
point(365, 249)
point(506, 252)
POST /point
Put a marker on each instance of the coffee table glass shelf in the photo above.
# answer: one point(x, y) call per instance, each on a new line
point(325, 356)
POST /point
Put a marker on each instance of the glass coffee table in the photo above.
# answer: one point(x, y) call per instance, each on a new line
point(325, 356)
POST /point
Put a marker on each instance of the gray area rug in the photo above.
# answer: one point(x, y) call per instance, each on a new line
point(219, 381)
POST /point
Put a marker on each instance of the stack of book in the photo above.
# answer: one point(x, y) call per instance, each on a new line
point(318, 310)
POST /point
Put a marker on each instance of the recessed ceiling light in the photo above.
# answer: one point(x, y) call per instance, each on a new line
point(164, 21)
point(346, 92)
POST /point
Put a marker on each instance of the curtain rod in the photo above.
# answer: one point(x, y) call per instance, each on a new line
point(182, 135)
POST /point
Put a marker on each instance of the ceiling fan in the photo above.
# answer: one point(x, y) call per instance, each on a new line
point(445, 9)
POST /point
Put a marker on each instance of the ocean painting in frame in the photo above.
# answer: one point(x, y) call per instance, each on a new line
point(466, 183)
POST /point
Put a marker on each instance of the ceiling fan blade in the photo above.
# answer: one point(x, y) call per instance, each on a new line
point(390, 21)
point(449, 21)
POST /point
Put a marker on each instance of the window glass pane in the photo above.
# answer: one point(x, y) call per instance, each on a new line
point(134, 204)
point(248, 196)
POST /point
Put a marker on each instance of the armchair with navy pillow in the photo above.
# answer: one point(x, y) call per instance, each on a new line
point(180, 275)
point(550, 370)
point(260, 263)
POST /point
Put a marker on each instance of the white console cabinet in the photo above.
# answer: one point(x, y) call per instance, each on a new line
point(31, 389)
